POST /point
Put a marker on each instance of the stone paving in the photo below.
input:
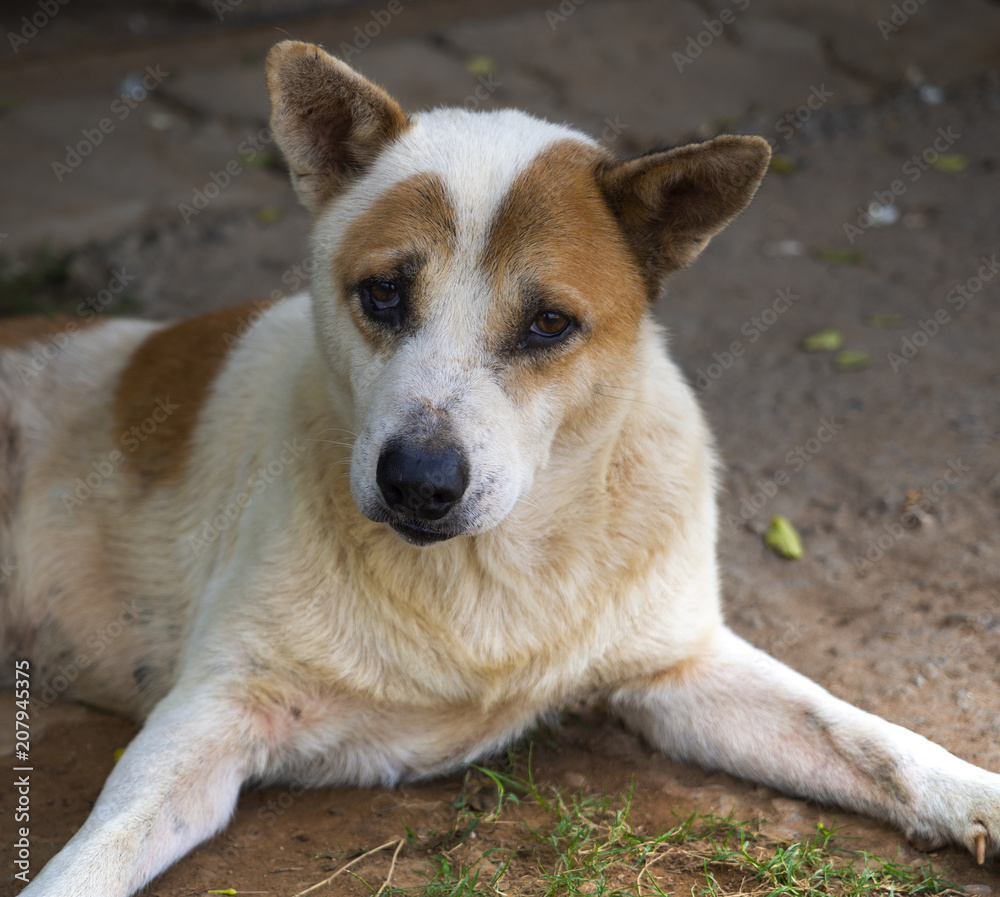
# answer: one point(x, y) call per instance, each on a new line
point(112, 123)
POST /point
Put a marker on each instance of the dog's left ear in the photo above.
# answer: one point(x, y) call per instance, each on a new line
point(671, 204)
point(329, 121)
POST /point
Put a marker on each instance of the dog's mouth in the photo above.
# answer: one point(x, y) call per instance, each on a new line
point(420, 535)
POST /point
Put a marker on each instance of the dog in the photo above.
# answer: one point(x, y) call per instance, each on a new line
point(373, 537)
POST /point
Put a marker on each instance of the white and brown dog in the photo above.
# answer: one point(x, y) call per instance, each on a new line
point(458, 486)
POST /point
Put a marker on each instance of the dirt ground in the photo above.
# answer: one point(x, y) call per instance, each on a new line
point(890, 472)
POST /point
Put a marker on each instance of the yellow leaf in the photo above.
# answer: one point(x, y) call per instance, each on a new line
point(828, 340)
point(851, 360)
point(268, 215)
point(782, 164)
point(480, 65)
point(841, 256)
point(950, 163)
point(783, 539)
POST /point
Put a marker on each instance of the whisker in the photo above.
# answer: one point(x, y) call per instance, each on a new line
point(608, 395)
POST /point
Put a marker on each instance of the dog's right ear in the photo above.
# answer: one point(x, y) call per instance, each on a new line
point(328, 120)
point(670, 204)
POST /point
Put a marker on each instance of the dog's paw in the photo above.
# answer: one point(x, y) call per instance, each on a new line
point(968, 813)
point(977, 839)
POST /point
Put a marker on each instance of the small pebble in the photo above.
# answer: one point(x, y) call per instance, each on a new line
point(882, 216)
point(779, 248)
point(931, 94)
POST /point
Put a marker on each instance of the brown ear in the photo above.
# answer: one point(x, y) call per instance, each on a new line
point(671, 204)
point(328, 120)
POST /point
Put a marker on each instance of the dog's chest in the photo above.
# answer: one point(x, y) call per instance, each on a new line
point(364, 691)
point(347, 741)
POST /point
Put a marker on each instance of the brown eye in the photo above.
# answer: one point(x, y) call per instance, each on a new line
point(384, 301)
point(384, 294)
point(548, 328)
point(550, 323)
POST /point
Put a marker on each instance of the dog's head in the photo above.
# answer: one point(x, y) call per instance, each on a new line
point(479, 278)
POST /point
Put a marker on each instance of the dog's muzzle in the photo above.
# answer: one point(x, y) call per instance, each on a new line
point(420, 484)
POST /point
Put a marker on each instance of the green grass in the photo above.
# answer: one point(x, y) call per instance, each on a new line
point(35, 285)
point(535, 841)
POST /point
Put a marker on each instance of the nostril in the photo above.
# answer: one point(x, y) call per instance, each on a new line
point(422, 481)
point(392, 493)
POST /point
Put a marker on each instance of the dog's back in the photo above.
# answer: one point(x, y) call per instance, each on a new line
point(56, 379)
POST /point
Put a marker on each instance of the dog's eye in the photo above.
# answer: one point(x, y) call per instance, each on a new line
point(550, 323)
point(384, 294)
point(383, 301)
point(548, 327)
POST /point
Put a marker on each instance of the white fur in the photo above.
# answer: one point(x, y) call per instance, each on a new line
point(478, 156)
point(306, 643)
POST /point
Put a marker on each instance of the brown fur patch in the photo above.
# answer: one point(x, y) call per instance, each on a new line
point(172, 369)
point(410, 227)
point(555, 245)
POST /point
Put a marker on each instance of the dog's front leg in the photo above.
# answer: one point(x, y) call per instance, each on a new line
point(737, 709)
point(175, 785)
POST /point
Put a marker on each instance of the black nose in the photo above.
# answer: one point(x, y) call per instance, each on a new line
point(422, 481)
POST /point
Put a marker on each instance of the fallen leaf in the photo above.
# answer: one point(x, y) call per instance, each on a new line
point(480, 65)
point(951, 163)
point(841, 256)
point(828, 340)
point(262, 159)
point(783, 539)
point(268, 215)
point(782, 164)
point(851, 360)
